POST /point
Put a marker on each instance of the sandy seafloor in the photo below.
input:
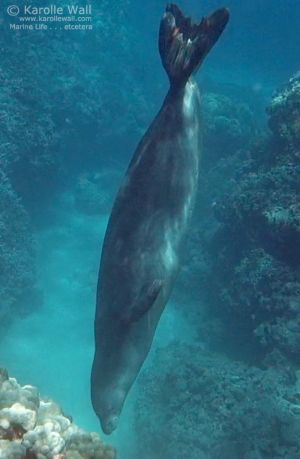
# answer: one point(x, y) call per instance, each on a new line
point(52, 347)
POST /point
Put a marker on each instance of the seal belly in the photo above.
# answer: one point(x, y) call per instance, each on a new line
point(143, 242)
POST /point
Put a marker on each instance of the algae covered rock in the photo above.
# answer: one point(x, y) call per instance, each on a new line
point(34, 428)
point(228, 124)
point(253, 249)
point(11, 450)
point(17, 255)
point(17, 415)
point(198, 404)
point(284, 112)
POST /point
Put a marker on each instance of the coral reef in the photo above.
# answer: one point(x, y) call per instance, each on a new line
point(227, 123)
point(17, 273)
point(64, 116)
point(203, 405)
point(29, 136)
point(284, 113)
point(244, 247)
point(237, 394)
point(33, 428)
point(255, 277)
point(61, 118)
point(226, 152)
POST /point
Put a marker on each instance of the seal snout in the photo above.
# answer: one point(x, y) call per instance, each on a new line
point(110, 424)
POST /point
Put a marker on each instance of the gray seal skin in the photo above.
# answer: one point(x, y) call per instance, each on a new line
point(144, 239)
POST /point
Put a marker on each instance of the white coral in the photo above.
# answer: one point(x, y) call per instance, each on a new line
point(39, 426)
point(43, 439)
point(18, 415)
point(9, 450)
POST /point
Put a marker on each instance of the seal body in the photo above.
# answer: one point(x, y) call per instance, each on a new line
point(146, 231)
point(141, 251)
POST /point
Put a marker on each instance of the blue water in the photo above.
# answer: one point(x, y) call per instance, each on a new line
point(52, 346)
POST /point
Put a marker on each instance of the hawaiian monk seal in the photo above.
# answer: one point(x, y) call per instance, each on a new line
point(141, 251)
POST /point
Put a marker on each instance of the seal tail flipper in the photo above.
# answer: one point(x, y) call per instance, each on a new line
point(184, 45)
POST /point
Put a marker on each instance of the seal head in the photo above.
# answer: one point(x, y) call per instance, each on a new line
point(108, 408)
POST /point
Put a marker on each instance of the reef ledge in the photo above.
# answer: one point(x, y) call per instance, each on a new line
point(35, 428)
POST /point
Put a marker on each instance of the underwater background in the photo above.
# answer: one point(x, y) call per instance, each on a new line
point(223, 376)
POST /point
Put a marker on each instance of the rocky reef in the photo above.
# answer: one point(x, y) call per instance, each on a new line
point(236, 394)
point(228, 122)
point(57, 133)
point(284, 115)
point(230, 129)
point(35, 428)
point(206, 406)
point(244, 246)
point(255, 275)
point(56, 118)
point(17, 251)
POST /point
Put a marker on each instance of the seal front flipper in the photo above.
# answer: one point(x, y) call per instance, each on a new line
point(184, 45)
point(144, 301)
